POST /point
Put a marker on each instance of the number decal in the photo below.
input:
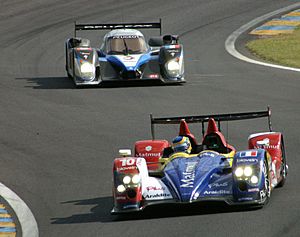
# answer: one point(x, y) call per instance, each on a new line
point(128, 162)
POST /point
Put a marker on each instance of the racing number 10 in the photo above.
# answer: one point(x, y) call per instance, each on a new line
point(128, 162)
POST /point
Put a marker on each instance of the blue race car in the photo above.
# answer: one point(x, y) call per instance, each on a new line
point(213, 171)
point(124, 56)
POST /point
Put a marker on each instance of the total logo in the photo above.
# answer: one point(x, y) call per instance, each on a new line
point(148, 148)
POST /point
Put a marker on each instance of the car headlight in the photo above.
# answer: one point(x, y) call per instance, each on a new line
point(136, 179)
point(87, 70)
point(173, 67)
point(121, 188)
point(239, 172)
point(126, 179)
point(248, 171)
point(254, 179)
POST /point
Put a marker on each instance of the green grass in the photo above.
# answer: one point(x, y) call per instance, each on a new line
point(282, 49)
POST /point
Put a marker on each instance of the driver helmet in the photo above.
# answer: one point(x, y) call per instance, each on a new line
point(181, 144)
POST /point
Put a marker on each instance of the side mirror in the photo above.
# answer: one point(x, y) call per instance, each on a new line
point(125, 152)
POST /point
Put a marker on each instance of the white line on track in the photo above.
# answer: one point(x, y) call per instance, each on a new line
point(230, 41)
point(26, 219)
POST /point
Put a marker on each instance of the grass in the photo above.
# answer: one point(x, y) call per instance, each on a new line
point(282, 49)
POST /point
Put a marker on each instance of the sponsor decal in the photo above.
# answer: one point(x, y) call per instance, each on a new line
point(153, 188)
point(217, 192)
point(268, 147)
point(126, 37)
point(128, 58)
point(218, 185)
point(149, 154)
point(173, 46)
point(154, 76)
point(262, 194)
point(148, 148)
point(189, 175)
point(211, 154)
point(252, 160)
point(120, 198)
point(252, 190)
point(158, 195)
point(130, 206)
point(248, 153)
point(245, 199)
point(84, 49)
point(127, 168)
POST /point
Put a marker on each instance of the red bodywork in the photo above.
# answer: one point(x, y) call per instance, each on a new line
point(151, 150)
point(273, 144)
point(122, 167)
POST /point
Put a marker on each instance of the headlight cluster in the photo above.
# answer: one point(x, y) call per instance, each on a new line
point(127, 181)
point(87, 70)
point(173, 67)
point(246, 173)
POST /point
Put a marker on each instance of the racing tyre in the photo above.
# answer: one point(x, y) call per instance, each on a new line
point(284, 167)
point(266, 192)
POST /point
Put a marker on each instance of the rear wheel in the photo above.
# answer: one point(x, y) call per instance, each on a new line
point(284, 166)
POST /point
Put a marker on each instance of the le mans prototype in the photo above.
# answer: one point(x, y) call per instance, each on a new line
point(214, 171)
point(124, 55)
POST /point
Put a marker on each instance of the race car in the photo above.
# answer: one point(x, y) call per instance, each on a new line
point(124, 55)
point(214, 171)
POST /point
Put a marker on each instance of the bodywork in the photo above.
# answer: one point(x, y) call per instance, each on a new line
point(124, 56)
point(244, 177)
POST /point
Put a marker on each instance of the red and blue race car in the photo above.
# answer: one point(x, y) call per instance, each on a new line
point(214, 171)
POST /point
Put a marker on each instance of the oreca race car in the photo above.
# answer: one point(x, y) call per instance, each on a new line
point(124, 55)
point(214, 171)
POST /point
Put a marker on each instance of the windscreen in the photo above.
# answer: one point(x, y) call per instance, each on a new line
point(128, 44)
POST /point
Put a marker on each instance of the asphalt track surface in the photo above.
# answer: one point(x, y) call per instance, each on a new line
point(57, 143)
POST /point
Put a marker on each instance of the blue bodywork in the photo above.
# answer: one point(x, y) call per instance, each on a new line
point(210, 176)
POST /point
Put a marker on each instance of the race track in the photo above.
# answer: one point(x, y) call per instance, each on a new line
point(57, 143)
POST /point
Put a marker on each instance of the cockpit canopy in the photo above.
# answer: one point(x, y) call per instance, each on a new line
point(126, 44)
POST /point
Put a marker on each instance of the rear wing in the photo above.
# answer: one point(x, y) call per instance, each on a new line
point(205, 118)
point(147, 25)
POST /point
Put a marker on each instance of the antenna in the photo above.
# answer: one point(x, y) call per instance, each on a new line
point(269, 119)
point(227, 133)
point(152, 127)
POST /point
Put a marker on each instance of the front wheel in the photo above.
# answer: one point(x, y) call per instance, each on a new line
point(266, 192)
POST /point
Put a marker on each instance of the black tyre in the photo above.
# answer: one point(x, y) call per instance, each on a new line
point(266, 192)
point(284, 169)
